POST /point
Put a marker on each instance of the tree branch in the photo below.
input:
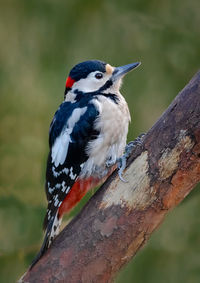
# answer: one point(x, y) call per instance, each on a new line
point(120, 217)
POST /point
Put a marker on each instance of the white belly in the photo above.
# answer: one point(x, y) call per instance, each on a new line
point(113, 126)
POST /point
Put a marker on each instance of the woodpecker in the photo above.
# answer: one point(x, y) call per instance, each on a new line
point(87, 136)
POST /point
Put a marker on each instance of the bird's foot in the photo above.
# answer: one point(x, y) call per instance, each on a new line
point(110, 162)
point(128, 150)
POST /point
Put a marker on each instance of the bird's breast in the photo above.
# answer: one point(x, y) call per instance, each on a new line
point(112, 124)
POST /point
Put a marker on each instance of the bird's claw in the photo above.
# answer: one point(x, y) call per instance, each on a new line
point(128, 149)
point(121, 166)
point(110, 162)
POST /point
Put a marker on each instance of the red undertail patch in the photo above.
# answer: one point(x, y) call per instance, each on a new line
point(77, 192)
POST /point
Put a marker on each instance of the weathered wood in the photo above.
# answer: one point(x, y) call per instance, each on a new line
point(120, 217)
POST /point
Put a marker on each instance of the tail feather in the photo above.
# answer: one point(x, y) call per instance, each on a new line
point(52, 231)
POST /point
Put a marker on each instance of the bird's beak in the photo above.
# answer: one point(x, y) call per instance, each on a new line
point(119, 72)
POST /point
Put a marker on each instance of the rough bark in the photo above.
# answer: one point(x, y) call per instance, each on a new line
point(120, 217)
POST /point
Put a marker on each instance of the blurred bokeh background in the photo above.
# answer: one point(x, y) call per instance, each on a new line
point(40, 42)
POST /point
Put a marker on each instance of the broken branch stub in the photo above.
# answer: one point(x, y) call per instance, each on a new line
point(120, 217)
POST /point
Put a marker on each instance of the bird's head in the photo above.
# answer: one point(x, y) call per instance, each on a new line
point(96, 76)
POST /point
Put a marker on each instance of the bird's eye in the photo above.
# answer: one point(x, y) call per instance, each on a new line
point(98, 76)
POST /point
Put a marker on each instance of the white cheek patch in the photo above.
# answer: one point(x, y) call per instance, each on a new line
point(90, 83)
point(61, 144)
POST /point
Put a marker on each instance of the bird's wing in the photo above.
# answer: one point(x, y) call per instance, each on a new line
point(70, 131)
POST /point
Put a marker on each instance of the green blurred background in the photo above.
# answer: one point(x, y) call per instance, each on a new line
point(40, 42)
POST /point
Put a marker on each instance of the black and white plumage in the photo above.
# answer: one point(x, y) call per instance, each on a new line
point(87, 136)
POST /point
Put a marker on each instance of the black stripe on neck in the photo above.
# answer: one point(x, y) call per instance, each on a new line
point(108, 84)
point(112, 96)
point(80, 95)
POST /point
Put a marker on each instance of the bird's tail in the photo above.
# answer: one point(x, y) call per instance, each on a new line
point(52, 231)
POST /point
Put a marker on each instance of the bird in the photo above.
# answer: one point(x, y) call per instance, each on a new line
point(87, 137)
